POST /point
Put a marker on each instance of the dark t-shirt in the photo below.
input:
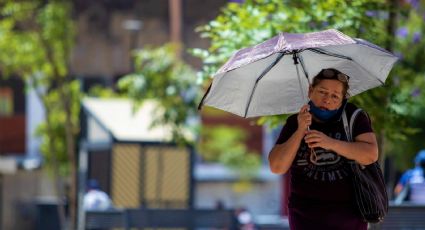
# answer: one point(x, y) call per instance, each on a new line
point(326, 181)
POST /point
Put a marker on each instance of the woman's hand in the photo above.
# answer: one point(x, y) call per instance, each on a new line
point(304, 118)
point(315, 139)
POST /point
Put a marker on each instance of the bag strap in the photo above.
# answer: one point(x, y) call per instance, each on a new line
point(348, 127)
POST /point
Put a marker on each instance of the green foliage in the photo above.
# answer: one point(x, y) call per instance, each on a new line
point(226, 145)
point(159, 74)
point(102, 92)
point(36, 38)
point(406, 95)
point(242, 25)
point(57, 121)
point(392, 107)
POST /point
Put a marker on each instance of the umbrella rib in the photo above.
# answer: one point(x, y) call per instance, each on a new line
point(320, 51)
point(203, 98)
point(265, 71)
point(303, 67)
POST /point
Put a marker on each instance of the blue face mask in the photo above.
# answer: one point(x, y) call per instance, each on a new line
point(322, 114)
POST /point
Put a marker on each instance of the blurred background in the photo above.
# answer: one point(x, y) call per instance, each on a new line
point(109, 89)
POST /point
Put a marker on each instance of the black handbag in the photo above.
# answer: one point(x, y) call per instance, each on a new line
point(370, 192)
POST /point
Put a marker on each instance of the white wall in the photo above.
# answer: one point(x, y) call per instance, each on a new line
point(264, 198)
point(35, 115)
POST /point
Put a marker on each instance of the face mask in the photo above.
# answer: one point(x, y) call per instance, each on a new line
point(322, 114)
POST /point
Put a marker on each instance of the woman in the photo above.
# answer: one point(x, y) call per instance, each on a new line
point(314, 147)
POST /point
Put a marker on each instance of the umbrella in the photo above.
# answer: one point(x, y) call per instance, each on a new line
point(273, 77)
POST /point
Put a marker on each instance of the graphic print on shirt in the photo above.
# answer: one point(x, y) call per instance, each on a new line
point(327, 166)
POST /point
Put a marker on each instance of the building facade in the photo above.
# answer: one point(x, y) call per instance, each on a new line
point(107, 33)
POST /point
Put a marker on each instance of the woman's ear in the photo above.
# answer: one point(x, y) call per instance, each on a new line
point(310, 91)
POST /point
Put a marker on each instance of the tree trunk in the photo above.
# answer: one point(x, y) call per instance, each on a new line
point(52, 150)
point(391, 28)
point(392, 24)
point(176, 25)
point(66, 96)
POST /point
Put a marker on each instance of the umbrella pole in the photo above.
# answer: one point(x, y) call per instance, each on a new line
point(303, 67)
point(295, 57)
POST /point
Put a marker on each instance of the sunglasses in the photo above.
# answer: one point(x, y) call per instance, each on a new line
point(332, 74)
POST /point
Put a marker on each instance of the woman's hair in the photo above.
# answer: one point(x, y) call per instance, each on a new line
point(332, 74)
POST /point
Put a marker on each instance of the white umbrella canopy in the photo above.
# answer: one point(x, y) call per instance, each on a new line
point(273, 77)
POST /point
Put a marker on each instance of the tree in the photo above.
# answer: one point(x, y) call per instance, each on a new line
point(391, 107)
point(36, 38)
point(408, 80)
point(161, 75)
point(226, 144)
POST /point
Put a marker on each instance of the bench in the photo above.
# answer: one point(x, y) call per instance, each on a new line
point(106, 219)
point(404, 216)
point(161, 218)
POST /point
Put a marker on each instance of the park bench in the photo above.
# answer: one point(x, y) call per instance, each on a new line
point(404, 216)
point(106, 219)
point(161, 218)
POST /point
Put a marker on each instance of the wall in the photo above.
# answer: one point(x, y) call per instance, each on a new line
point(104, 46)
point(262, 199)
point(20, 193)
point(12, 125)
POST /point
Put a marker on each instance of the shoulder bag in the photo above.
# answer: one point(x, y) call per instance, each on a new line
point(368, 183)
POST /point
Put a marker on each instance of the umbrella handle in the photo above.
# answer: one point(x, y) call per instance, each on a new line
point(313, 154)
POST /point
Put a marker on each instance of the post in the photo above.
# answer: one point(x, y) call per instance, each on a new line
point(175, 12)
point(82, 173)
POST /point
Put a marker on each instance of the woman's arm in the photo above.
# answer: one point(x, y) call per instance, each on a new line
point(364, 149)
point(282, 155)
